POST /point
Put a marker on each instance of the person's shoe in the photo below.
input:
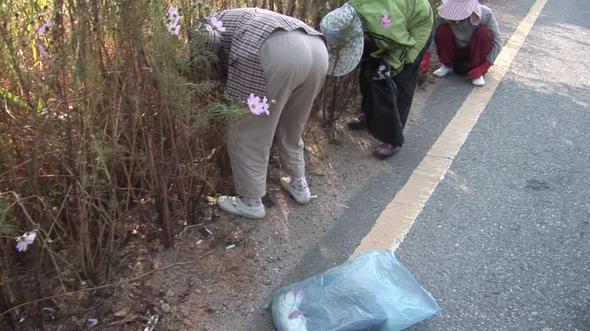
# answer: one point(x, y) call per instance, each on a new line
point(385, 151)
point(302, 197)
point(480, 81)
point(359, 123)
point(443, 71)
point(235, 206)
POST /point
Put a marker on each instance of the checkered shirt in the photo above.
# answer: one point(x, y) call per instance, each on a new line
point(246, 29)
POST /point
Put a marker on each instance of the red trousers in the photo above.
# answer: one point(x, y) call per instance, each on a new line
point(450, 53)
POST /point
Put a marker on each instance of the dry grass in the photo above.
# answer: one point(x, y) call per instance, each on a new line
point(119, 130)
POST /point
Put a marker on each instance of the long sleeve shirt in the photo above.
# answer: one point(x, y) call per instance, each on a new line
point(401, 29)
point(463, 31)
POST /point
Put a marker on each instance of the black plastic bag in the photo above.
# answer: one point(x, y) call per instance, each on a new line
point(380, 102)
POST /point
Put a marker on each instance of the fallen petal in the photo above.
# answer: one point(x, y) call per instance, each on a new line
point(123, 312)
point(92, 322)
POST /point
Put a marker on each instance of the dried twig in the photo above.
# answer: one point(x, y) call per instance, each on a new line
point(121, 282)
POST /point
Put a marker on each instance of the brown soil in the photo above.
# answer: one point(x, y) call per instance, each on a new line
point(222, 269)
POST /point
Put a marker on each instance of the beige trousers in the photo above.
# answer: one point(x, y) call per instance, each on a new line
point(295, 67)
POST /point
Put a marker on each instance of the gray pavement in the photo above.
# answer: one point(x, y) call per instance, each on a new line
point(503, 243)
point(431, 112)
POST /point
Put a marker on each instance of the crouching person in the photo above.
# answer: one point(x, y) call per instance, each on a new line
point(275, 65)
point(467, 40)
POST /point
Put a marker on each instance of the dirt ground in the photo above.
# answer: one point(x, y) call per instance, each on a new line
point(223, 269)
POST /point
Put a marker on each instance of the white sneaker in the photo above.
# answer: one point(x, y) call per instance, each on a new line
point(479, 81)
point(302, 197)
point(235, 206)
point(443, 71)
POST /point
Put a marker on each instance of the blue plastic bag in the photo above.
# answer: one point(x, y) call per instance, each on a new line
point(372, 292)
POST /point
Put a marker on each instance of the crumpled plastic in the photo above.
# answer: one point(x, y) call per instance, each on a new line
point(372, 292)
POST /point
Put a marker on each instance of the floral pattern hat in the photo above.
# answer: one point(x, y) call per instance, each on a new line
point(457, 10)
point(343, 31)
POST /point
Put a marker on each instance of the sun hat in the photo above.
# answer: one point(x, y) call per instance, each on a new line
point(343, 30)
point(456, 10)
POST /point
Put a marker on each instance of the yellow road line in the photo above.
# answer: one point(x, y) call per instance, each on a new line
point(396, 220)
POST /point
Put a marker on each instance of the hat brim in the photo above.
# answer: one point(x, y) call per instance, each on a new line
point(456, 11)
point(344, 59)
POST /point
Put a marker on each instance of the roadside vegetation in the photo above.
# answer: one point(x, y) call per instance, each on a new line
point(110, 125)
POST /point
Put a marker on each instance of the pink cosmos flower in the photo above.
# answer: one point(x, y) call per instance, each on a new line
point(48, 24)
point(217, 24)
point(386, 20)
point(256, 106)
point(252, 102)
point(173, 20)
point(23, 242)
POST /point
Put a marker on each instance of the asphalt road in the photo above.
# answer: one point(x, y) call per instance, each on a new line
point(504, 241)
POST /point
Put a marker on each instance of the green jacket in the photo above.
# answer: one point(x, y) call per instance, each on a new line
point(400, 41)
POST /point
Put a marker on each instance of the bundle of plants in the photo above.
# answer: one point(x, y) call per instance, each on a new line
point(109, 124)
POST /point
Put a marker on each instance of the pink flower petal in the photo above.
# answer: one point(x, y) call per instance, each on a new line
point(23, 242)
point(172, 12)
point(386, 20)
point(43, 51)
point(217, 24)
point(48, 24)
